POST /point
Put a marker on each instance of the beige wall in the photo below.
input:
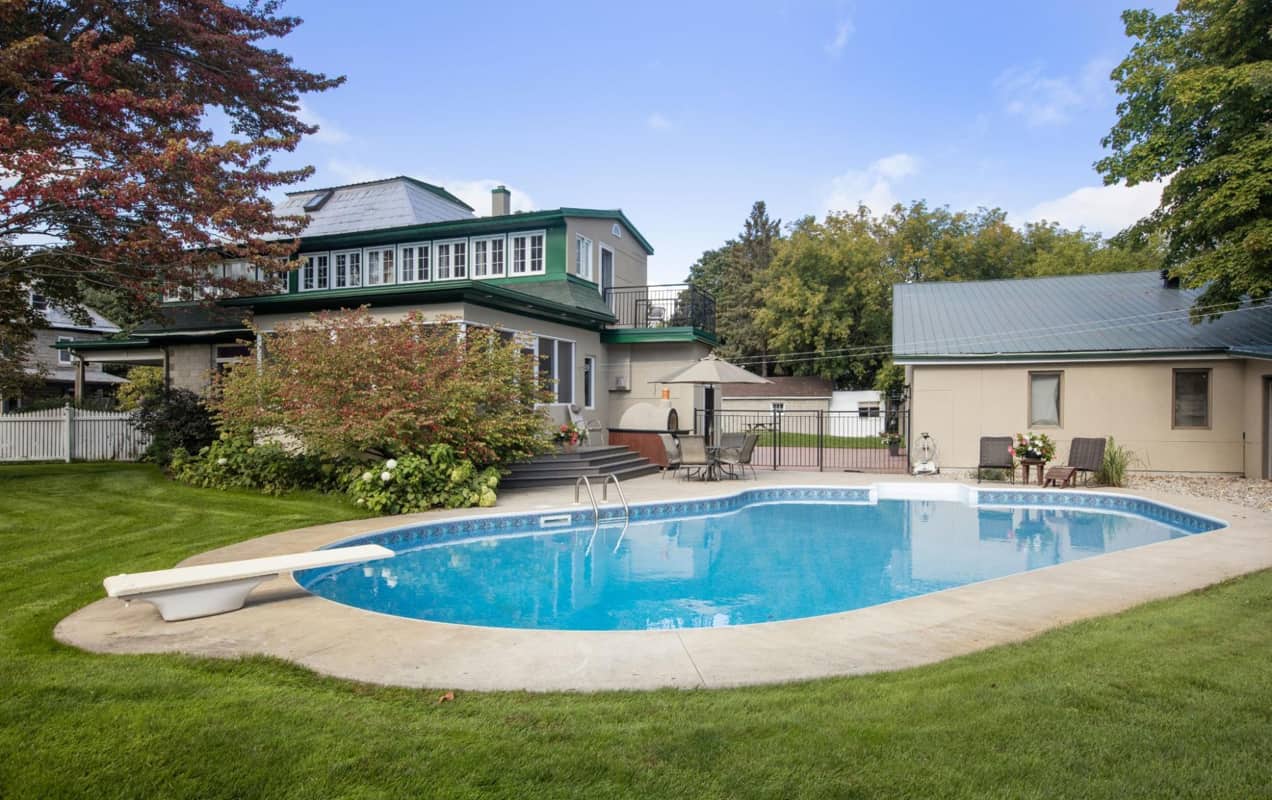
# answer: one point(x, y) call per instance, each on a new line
point(630, 259)
point(1131, 401)
point(640, 365)
point(1257, 372)
point(190, 366)
point(42, 351)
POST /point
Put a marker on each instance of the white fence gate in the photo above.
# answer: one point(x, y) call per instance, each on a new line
point(63, 434)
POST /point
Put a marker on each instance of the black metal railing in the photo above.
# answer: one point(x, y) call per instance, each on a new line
point(669, 306)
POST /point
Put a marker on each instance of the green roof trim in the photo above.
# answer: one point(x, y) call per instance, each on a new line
point(467, 227)
point(646, 335)
point(101, 344)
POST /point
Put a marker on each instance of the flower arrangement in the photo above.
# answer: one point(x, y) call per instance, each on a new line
point(1034, 446)
point(571, 433)
point(890, 438)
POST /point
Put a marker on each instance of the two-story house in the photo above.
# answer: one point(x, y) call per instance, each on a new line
point(570, 282)
point(64, 376)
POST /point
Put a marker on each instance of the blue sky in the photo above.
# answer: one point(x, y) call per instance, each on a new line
point(683, 114)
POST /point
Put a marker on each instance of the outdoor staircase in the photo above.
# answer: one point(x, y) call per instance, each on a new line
point(563, 469)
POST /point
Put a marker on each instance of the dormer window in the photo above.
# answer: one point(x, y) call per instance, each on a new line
point(39, 302)
point(319, 200)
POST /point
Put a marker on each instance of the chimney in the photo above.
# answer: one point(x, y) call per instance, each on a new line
point(1169, 281)
point(500, 201)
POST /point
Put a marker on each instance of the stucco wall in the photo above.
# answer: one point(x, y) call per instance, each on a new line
point(630, 259)
point(1257, 371)
point(641, 364)
point(1131, 401)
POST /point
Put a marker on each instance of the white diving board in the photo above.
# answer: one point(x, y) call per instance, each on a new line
point(188, 592)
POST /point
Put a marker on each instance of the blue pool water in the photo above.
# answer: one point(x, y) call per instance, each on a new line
point(747, 564)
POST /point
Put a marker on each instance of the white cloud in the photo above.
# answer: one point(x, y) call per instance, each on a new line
point(843, 32)
point(1101, 209)
point(340, 171)
point(872, 186)
point(658, 122)
point(1050, 100)
point(328, 132)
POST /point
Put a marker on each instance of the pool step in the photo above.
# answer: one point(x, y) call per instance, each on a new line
point(563, 469)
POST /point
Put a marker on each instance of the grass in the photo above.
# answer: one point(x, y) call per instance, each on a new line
point(1173, 699)
point(787, 439)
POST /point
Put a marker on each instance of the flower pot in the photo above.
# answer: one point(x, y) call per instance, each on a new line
point(569, 447)
point(894, 449)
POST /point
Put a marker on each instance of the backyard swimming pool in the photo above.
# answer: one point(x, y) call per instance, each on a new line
point(763, 555)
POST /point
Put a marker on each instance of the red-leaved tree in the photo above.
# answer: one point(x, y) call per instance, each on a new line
point(110, 173)
point(343, 383)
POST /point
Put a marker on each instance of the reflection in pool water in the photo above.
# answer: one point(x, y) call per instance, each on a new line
point(762, 563)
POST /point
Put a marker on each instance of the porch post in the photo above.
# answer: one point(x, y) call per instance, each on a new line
point(79, 379)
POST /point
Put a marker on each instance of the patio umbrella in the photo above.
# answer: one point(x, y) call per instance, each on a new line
point(712, 370)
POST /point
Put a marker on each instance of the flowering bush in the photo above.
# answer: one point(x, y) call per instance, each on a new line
point(570, 433)
point(236, 463)
point(1034, 446)
point(436, 478)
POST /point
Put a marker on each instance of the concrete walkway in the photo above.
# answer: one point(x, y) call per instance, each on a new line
point(283, 620)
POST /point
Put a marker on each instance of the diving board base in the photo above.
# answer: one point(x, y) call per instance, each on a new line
point(203, 600)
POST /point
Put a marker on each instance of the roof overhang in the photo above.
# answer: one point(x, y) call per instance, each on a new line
point(1058, 357)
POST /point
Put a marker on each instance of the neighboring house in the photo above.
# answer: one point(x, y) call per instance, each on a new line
point(60, 367)
point(800, 393)
point(1088, 355)
point(571, 282)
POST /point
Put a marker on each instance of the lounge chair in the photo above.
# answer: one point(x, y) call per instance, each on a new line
point(672, 449)
point(1085, 455)
point(995, 453)
point(737, 461)
point(188, 592)
point(694, 459)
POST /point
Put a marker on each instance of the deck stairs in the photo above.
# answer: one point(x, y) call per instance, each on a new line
point(563, 469)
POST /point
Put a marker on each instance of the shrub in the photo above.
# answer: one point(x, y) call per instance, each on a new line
point(174, 419)
point(235, 463)
point(344, 384)
point(437, 478)
point(143, 382)
point(992, 474)
point(1112, 470)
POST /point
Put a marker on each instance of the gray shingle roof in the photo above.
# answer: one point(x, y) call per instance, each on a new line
point(389, 203)
point(785, 386)
point(1117, 312)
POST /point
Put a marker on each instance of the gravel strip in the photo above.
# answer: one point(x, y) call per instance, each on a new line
point(1238, 491)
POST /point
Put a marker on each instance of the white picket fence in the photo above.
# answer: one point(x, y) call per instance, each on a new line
point(63, 434)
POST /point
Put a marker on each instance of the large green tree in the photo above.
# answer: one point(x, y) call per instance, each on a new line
point(1197, 111)
point(111, 175)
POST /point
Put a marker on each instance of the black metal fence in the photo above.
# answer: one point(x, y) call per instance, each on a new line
point(819, 440)
point(669, 306)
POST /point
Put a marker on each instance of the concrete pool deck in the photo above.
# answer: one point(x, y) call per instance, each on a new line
point(283, 620)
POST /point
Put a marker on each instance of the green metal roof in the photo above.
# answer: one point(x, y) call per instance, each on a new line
point(1128, 313)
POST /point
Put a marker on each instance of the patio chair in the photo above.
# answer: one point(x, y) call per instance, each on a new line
point(672, 449)
point(995, 453)
point(731, 442)
point(737, 461)
point(1085, 455)
point(694, 459)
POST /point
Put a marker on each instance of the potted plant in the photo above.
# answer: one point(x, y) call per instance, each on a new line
point(569, 436)
point(893, 441)
point(1034, 447)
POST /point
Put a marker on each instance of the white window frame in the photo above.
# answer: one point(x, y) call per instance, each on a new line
point(601, 250)
point(449, 244)
point(64, 357)
point(585, 268)
point(309, 263)
point(528, 237)
point(349, 282)
point(379, 252)
point(473, 263)
point(417, 249)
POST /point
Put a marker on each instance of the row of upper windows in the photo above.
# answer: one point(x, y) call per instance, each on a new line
point(477, 257)
point(239, 270)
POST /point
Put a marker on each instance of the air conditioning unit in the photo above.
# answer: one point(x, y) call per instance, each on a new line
point(619, 384)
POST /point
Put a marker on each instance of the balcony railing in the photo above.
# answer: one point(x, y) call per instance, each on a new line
point(670, 306)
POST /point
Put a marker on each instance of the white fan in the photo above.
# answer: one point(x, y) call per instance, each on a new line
point(925, 450)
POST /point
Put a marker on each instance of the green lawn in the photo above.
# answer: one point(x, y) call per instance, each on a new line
point(788, 439)
point(1170, 700)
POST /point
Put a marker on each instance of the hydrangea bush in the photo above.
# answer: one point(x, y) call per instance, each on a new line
point(236, 463)
point(437, 478)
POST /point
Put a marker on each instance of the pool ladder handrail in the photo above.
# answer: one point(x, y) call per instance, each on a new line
point(596, 509)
